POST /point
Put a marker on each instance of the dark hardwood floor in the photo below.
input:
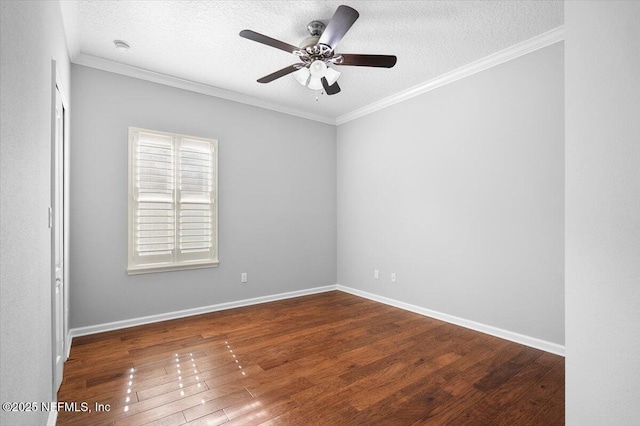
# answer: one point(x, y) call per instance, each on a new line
point(326, 359)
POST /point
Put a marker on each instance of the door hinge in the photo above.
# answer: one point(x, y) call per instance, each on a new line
point(50, 219)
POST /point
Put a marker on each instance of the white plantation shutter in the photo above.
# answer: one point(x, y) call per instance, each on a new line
point(196, 200)
point(172, 201)
point(153, 198)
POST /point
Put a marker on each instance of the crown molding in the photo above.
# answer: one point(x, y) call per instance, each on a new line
point(69, 14)
point(167, 80)
point(527, 46)
point(510, 53)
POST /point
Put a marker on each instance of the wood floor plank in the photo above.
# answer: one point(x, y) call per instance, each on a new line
point(213, 419)
point(257, 417)
point(262, 407)
point(325, 359)
point(552, 413)
point(404, 408)
point(533, 401)
point(175, 419)
point(501, 397)
point(240, 398)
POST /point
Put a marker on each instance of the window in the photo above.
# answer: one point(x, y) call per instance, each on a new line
point(173, 214)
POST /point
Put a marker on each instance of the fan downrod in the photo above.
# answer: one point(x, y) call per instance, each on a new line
point(316, 28)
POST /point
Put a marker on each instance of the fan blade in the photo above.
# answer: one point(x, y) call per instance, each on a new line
point(338, 26)
point(280, 73)
point(383, 61)
point(260, 38)
point(330, 90)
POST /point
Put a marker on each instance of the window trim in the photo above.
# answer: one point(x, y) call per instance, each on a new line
point(176, 265)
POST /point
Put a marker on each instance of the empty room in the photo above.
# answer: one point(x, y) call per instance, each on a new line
point(320, 213)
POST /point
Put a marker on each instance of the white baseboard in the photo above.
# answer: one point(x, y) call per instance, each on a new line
point(68, 343)
point(53, 418)
point(533, 342)
point(116, 325)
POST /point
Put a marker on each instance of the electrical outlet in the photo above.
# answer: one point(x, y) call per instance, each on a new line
point(376, 274)
point(243, 277)
point(393, 277)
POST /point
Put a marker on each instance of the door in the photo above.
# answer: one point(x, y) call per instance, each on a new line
point(58, 242)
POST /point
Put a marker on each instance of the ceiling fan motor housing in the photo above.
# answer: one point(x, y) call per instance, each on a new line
point(310, 49)
point(309, 42)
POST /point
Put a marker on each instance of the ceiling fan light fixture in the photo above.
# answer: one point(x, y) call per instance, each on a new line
point(318, 69)
point(315, 83)
point(331, 76)
point(302, 75)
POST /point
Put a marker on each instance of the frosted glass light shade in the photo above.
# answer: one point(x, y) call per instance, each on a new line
point(312, 75)
point(315, 83)
point(302, 75)
point(318, 69)
point(331, 76)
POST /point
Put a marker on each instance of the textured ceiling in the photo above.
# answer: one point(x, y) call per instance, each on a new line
point(198, 41)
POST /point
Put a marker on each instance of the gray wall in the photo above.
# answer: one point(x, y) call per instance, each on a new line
point(460, 192)
point(31, 35)
point(603, 212)
point(277, 199)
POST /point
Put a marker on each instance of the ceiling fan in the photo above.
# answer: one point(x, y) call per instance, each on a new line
point(316, 53)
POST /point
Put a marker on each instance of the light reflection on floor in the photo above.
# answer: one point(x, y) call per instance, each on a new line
point(130, 384)
point(181, 363)
point(234, 356)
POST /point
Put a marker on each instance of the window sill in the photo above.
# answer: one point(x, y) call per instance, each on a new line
point(151, 269)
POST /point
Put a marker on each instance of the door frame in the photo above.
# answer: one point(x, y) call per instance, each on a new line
point(57, 86)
